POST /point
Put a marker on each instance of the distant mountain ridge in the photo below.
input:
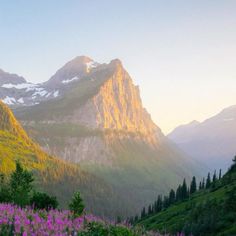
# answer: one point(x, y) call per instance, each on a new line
point(212, 141)
point(6, 77)
point(16, 91)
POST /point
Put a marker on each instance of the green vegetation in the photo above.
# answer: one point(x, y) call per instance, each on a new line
point(19, 190)
point(20, 186)
point(43, 201)
point(34, 212)
point(53, 176)
point(209, 211)
point(77, 205)
point(101, 229)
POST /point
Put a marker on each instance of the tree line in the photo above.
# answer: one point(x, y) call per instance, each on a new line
point(182, 193)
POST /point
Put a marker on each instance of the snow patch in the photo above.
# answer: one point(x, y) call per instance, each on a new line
point(40, 92)
point(9, 100)
point(27, 86)
point(69, 80)
point(90, 65)
point(48, 95)
point(56, 93)
point(20, 86)
point(20, 100)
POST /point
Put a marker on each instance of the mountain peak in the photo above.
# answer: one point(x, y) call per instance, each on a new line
point(72, 70)
point(116, 62)
point(7, 78)
point(80, 60)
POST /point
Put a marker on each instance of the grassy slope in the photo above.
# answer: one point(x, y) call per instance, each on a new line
point(203, 206)
point(53, 175)
point(140, 179)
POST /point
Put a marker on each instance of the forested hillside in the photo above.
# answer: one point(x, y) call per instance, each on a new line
point(210, 210)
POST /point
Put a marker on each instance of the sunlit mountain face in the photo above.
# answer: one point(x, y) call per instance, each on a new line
point(91, 114)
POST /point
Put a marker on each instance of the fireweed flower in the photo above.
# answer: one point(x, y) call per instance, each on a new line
point(27, 221)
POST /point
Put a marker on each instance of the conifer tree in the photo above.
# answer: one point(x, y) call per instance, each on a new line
point(220, 174)
point(153, 208)
point(149, 210)
point(136, 218)
point(178, 195)
point(200, 185)
point(234, 160)
point(166, 202)
point(21, 185)
point(203, 183)
point(159, 203)
point(193, 186)
point(143, 213)
point(214, 177)
point(172, 196)
point(77, 205)
point(184, 190)
point(208, 181)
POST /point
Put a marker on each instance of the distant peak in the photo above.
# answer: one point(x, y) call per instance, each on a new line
point(230, 108)
point(116, 62)
point(6, 77)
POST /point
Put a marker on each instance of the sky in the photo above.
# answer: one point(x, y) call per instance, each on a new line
point(182, 54)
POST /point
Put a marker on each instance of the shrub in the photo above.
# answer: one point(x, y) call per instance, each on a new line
point(43, 201)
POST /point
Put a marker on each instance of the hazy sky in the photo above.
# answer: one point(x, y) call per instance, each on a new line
point(182, 54)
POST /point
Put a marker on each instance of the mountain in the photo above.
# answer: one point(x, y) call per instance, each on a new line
point(71, 71)
point(209, 212)
point(53, 175)
point(6, 77)
point(212, 141)
point(100, 123)
point(17, 92)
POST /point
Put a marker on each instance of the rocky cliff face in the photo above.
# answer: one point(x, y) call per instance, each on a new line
point(116, 106)
point(110, 109)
